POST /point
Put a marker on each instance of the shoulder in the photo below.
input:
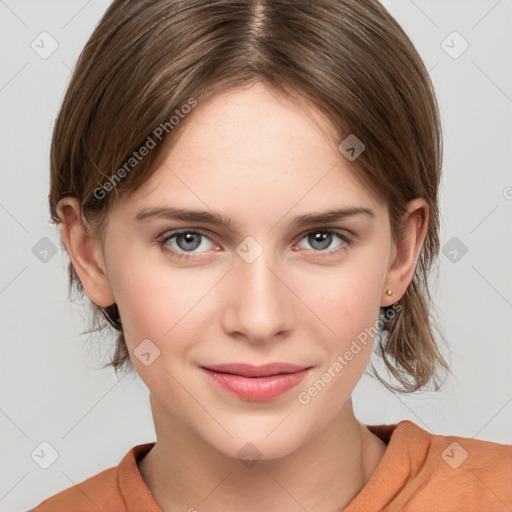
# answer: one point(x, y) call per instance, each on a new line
point(467, 472)
point(96, 493)
point(451, 452)
point(119, 488)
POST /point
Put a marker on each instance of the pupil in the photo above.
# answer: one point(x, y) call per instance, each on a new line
point(323, 239)
point(189, 240)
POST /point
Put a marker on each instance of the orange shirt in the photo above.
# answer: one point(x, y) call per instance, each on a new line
point(419, 472)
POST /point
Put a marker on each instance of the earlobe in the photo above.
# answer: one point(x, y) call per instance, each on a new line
point(85, 253)
point(401, 271)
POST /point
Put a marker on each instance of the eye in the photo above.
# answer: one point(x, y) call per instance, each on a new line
point(322, 239)
point(186, 241)
point(183, 243)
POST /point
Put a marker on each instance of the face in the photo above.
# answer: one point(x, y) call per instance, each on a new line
point(262, 287)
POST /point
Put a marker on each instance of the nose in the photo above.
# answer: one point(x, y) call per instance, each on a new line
point(258, 304)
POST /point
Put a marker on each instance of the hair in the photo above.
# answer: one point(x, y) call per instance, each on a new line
point(348, 59)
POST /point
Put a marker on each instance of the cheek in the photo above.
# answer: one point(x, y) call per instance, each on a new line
point(347, 304)
point(349, 310)
point(158, 301)
point(346, 300)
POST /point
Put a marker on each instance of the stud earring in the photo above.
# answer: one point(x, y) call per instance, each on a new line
point(389, 292)
point(111, 313)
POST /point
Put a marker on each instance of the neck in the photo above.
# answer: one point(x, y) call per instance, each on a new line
point(184, 472)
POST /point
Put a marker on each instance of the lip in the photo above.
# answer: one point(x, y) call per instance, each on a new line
point(250, 370)
point(256, 383)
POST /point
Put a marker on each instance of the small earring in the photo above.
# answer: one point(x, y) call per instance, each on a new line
point(389, 292)
point(111, 313)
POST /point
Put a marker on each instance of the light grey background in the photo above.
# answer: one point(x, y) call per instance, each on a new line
point(52, 389)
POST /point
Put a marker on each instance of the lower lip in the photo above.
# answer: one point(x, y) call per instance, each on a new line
point(256, 389)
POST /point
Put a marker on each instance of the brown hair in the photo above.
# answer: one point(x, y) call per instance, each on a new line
point(348, 58)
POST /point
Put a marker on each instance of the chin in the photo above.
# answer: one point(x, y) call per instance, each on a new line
point(251, 452)
point(256, 444)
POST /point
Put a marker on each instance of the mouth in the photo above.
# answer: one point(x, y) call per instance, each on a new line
point(256, 383)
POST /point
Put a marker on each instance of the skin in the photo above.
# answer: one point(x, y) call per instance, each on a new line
point(256, 156)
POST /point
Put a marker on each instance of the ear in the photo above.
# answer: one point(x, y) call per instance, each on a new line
point(85, 253)
point(406, 252)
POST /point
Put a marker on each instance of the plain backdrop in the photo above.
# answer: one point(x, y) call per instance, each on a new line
point(52, 388)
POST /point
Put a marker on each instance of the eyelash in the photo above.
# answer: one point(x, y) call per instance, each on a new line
point(346, 241)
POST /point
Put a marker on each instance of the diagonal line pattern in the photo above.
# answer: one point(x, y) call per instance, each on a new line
point(424, 13)
point(67, 66)
point(483, 483)
point(492, 211)
point(14, 485)
point(14, 218)
point(13, 279)
point(406, 405)
point(430, 70)
point(79, 488)
point(485, 15)
point(286, 491)
point(14, 76)
point(185, 185)
point(493, 287)
point(292, 411)
point(216, 487)
point(13, 423)
point(508, 401)
point(104, 395)
point(76, 14)
point(492, 81)
point(3, 3)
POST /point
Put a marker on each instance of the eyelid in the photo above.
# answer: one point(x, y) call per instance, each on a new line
point(334, 229)
point(347, 237)
point(172, 233)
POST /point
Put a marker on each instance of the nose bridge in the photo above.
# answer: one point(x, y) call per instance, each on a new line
point(259, 304)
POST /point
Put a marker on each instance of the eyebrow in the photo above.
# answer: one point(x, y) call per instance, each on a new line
point(215, 219)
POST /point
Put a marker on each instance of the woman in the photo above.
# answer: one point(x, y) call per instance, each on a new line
point(248, 192)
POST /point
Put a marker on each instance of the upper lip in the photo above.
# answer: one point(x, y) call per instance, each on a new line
point(249, 370)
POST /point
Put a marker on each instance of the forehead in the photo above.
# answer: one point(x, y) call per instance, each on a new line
point(253, 150)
